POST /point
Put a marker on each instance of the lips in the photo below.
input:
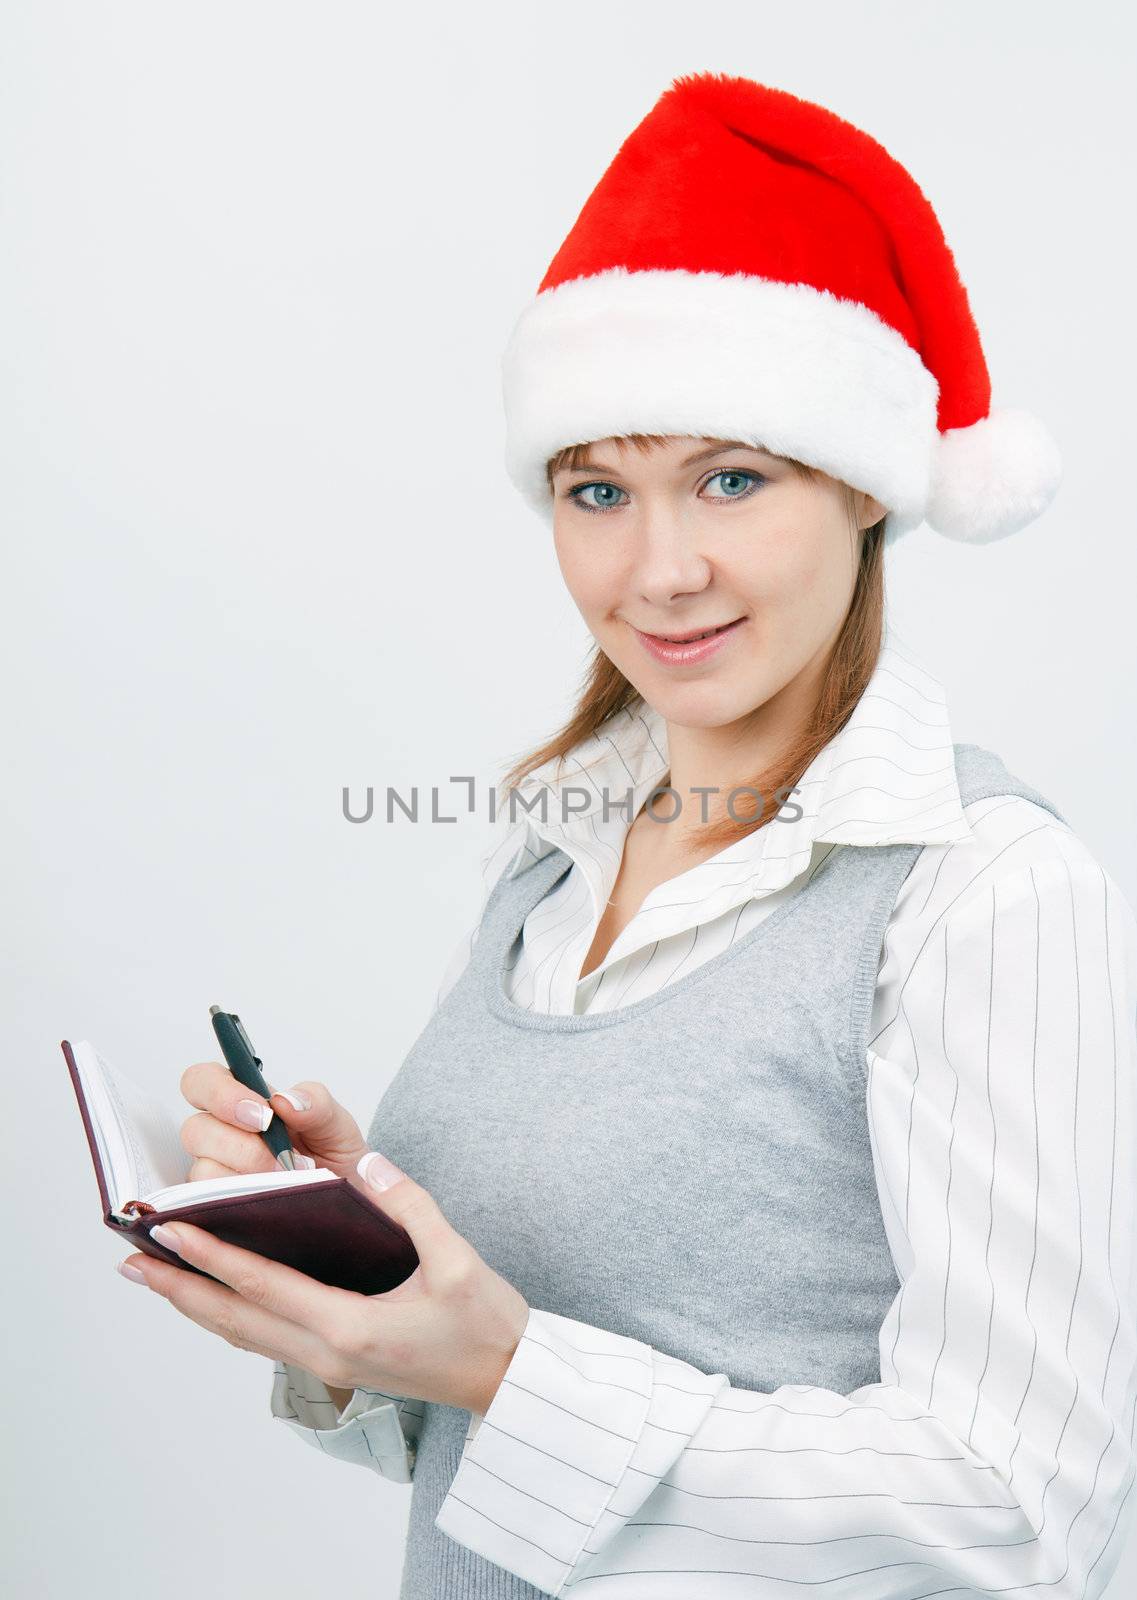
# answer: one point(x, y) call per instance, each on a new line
point(690, 649)
point(695, 633)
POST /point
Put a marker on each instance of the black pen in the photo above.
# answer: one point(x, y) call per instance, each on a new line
point(245, 1065)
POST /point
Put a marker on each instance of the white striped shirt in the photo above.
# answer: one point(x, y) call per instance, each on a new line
point(996, 1453)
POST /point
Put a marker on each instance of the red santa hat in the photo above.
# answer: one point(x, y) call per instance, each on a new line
point(751, 266)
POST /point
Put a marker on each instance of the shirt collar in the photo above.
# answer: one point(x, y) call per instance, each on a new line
point(887, 777)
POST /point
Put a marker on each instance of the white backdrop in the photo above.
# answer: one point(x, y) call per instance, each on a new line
point(257, 268)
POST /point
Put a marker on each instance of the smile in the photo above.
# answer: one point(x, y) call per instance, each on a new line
point(693, 646)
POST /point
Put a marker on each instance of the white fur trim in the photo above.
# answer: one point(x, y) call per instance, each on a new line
point(786, 366)
point(993, 478)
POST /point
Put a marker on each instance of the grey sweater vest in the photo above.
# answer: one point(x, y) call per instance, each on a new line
point(693, 1170)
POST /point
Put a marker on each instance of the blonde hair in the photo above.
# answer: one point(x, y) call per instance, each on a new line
point(852, 660)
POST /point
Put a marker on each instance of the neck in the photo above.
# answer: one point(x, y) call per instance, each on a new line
point(736, 753)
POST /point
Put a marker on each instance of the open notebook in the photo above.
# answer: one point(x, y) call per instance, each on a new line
point(310, 1219)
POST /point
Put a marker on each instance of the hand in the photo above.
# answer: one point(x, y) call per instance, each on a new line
point(446, 1334)
point(222, 1143)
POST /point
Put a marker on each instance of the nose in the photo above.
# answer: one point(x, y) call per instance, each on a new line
point(669, 558)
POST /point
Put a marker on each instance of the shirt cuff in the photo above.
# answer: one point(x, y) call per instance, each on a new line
point(368, 1432)
point(600, 1384)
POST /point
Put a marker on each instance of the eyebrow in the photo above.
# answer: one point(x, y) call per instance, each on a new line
point(690, 461)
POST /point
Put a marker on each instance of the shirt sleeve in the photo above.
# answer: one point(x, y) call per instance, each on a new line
point(996, 1453)
point(375, 1429)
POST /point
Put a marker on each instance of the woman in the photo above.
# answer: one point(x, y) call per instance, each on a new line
point(770, 1153)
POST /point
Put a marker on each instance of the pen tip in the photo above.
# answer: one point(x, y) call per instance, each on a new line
point(213, 1010)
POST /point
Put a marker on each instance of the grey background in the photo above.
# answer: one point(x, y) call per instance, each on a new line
point(258, 264)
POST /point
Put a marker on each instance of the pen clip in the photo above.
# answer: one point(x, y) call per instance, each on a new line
point(243, 1036)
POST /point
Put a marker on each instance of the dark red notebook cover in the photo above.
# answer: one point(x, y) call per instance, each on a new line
point(326, 1230)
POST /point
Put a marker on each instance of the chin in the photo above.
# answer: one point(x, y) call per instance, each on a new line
point(700, 705)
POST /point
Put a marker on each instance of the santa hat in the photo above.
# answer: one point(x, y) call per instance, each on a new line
point(753, 267)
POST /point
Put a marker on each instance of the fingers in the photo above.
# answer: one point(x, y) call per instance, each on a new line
point(274, 1307)
point(203, 1167)
point(213, 1088)
point(203, 1135)
point(245, 1325)
point(317, 1123)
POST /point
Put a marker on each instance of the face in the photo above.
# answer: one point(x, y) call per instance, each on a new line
point(691, 537)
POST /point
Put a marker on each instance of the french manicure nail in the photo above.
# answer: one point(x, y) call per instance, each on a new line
point(378, 1171)
point(296, 1098)
point(166, 1236)
point(131, 1272)
point(253, 1114)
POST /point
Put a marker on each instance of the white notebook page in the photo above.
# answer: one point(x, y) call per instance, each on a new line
point(141, 1151)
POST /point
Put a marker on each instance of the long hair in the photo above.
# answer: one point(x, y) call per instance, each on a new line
point(605, 691)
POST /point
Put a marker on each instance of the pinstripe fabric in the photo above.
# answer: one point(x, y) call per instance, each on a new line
point(999, 1097)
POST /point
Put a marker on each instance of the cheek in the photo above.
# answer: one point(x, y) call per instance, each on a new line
point(589, 574)
point(800, 566)
point(771, 571)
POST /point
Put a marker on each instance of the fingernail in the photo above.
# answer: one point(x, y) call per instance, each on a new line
point(131, 1272)
point(253, 1114)
point(378, 1171)
point(296, 1098)
point(166, 1236)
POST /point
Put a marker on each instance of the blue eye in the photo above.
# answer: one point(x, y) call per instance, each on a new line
point(736, 473)
point(750, 482)
point(575, 494)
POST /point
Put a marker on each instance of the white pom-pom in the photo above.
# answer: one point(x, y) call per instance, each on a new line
point(992, 478)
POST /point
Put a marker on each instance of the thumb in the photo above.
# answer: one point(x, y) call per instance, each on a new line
point(329, 1130)
point(411, 1206)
